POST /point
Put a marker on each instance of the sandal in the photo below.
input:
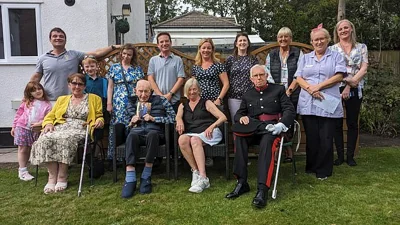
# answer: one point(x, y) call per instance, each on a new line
point(61, 186)
point(49, 188)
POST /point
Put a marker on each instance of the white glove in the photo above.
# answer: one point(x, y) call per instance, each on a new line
point(276, 129)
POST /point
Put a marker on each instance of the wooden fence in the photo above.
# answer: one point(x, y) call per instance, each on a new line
point(388, 58)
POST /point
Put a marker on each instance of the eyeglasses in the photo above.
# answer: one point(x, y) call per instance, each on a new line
point(258, 75)
point(77, 84)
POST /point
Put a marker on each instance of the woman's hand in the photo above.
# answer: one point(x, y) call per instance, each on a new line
point(98, 124)
point(288, 92)
point(217, 101)
point(318, 95)
point(12, 132)
point(180, 127)
point(209, 131)
point(109, 107)
point(313, 88)
point(48, 128)
point(346, 92)
point(351, 81)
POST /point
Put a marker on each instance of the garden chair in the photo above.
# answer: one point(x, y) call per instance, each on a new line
point(119, 151)
point(220, 150)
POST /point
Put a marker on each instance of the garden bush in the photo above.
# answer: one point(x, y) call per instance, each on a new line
point(380, 112)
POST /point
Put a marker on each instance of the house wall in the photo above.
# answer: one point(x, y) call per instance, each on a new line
point(87, 25)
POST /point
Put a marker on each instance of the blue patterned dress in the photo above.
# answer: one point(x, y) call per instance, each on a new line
point(120, 96)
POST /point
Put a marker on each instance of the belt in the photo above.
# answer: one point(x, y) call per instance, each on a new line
point(268, 117)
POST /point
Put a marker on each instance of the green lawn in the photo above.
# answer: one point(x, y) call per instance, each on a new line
point(366, 194)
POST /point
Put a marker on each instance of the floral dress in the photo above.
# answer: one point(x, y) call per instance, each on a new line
point(209, 80)
point(61, 144)
point(120, 96)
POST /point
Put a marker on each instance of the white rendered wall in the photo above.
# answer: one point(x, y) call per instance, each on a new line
point(87, 25)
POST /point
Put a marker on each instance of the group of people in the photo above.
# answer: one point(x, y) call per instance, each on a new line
point(262, 100)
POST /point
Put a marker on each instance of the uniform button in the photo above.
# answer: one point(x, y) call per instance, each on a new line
point(260, 99)
point(261, 92)
point(262, 107)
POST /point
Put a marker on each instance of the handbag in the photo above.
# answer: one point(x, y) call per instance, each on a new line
point(131, 106)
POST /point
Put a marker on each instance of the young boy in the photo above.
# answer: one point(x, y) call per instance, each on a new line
point(94, 84)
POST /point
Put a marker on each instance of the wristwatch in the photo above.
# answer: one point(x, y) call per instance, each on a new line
point(172, 94)
point(113, 47)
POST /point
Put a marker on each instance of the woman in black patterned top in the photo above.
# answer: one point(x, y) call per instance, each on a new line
point(238, 68)
point(208, 71)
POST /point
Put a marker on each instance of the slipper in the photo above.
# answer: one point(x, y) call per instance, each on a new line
point(61, 186)
point(49, 188)
point(288, 160)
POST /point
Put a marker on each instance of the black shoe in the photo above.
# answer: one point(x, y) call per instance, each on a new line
point(145, 186)
point(338, 162)
point(128, 190)
point(260, 200)
point(351, 162)
point(240, 189)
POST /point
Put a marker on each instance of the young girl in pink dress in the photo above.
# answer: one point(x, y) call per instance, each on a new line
point(27, 124)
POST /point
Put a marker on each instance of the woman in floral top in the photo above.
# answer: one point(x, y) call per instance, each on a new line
point(356, 56)
point(122, 79)
point(238, 68)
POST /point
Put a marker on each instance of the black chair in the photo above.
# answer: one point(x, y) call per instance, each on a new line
point(220, 150)
point(119, 148)
point(97, 142)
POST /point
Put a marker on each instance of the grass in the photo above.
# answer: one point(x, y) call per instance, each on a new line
point(365, 194)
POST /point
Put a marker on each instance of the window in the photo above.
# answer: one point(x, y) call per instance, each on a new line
point(19, 33)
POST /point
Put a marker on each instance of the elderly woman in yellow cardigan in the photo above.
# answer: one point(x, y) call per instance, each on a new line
point(63, 129)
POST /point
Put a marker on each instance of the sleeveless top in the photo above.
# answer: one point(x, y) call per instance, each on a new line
point(199, 119)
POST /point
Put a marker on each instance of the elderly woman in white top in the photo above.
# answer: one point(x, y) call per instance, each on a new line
point(356, 56)
point(319, 74)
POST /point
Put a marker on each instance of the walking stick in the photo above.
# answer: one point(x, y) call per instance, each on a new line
point(83, 158)
point(277, 169)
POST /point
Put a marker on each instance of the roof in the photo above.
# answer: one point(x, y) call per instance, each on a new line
point(197, 19)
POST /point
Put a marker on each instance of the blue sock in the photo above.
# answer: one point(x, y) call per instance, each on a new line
point(146, 172)
point(130, 176)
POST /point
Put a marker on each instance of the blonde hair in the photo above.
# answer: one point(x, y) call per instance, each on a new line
point(353, 36)
point(283, 31)
point(326, 33)
point(198, 60)
point(192, 81)
point(89, 59)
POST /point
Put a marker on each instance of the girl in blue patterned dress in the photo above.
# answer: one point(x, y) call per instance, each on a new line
point(121, 76)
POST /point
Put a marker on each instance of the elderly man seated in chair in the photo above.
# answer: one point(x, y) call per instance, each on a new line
point(264, 113)
point(149, 114)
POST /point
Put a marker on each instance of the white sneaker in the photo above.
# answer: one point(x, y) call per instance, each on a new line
point(209, 162)
point(195, 177)
point(200, 185)
point(25, 176)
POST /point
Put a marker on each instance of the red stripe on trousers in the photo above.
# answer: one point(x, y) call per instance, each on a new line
point(272, 162)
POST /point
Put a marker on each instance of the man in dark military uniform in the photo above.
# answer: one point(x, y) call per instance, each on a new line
point(266, 108)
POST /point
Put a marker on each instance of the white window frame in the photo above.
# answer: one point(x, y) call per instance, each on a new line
point(8, 59)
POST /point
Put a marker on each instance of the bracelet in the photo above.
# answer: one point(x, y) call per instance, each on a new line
point(113, 47)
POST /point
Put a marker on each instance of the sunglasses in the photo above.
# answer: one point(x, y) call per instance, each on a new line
point(89, 56)
point(77, 84)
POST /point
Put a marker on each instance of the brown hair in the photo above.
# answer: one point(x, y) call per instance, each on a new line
point(164, 33)
point(235, 48)
point(198, 60)
point(31, 87)
point(129, 46)
point(77, 75)
point(89, 59)
point(59, 30)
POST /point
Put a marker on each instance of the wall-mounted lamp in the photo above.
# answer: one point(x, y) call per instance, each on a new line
point(126, 11)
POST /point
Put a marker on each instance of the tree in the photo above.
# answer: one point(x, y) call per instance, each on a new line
point(341, 10)
point(162, 10)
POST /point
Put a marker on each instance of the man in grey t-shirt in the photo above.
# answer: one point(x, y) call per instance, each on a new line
point(166, 74)
point(56, 65)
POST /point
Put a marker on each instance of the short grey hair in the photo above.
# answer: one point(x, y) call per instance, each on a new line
point(285, 31)
point(255, 66)
point(192, 81)
point(326, 33)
